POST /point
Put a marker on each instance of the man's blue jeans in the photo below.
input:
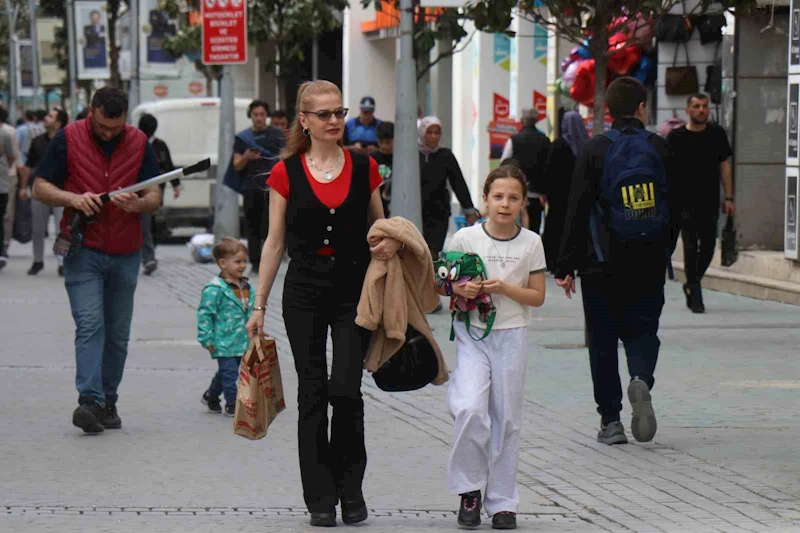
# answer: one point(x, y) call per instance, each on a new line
point(225, 379)
point(100, 289)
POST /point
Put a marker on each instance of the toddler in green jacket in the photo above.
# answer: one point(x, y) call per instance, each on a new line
point(225, 306)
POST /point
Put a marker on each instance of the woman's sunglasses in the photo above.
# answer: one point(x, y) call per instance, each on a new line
point(326, 115)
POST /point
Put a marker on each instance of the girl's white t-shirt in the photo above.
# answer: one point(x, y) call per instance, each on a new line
point(523, 255)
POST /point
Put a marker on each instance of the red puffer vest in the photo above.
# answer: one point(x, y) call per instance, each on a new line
point(114, 231)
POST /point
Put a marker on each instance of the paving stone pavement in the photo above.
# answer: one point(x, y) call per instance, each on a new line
point(724, 459)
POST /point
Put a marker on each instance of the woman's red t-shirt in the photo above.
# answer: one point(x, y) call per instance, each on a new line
point(331, 194)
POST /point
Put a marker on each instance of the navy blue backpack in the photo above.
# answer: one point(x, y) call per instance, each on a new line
point(633, 190)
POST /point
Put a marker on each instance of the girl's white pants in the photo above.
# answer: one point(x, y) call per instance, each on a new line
point(485, 398)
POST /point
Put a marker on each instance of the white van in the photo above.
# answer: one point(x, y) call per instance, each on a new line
point(190, 127)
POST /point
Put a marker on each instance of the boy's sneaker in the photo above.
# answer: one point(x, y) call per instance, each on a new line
point(111, 419)
point(504, 520)
point(469, 513)
point(212, 403)
point(150, 267)
point(643, 424)
point(612, 433)
point(230, 409)
point(89, 418)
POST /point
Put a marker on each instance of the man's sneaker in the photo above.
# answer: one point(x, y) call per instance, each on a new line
point(469, 514)
point(36, 267)
point(230, 409)
point(111, 419)
point(612, 433)
point(643, 424)
point(89, 418)
point(150, 267)
point(212, 403)
point(3, 261)
point(504, 520)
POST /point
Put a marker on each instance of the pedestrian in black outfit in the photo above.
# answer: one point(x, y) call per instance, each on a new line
point(438, 167)
point(700, 152)
point(255, 151)
point(149, 124)
point(322, 202)
point(530, 147)
point(560, 167)
point(619, 236)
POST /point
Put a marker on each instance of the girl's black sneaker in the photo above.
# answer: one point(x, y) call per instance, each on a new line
point(504, 520)
point(469, 513)
point(212, 403)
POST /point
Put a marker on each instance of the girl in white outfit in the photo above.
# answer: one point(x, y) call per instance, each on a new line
point(487, 386)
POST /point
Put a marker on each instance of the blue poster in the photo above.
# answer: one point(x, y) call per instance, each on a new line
point(539, 41)
point(502, 49)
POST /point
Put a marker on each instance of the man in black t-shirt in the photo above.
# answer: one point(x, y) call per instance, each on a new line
point(699, 155)
point(384, 157)
point(255, 152)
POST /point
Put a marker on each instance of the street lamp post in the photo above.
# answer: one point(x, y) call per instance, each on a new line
point(406, 197)
point(73, 66)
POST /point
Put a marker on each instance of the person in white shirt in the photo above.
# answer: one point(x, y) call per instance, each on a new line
point(487, 386)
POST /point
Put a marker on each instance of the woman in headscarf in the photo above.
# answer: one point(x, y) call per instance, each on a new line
point(560, 165)
point(438, 167)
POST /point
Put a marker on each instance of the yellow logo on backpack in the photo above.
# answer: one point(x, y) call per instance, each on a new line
point(639, 200)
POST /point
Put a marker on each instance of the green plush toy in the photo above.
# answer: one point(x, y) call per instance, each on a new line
point(459, 268)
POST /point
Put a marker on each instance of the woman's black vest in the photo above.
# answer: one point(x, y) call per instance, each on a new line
point(311, 225)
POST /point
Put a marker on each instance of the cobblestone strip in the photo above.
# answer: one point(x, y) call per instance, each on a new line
point(405, 514)
point(639, 487)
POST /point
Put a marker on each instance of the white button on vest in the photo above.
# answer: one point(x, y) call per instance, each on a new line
point(326, 241)
point(333, 211)
point(330, 228)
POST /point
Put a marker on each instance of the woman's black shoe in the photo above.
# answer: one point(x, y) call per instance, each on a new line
point(354, 511)
point(323, 519)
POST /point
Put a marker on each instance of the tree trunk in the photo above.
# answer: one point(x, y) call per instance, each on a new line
point(599, 110)
point(115, 79)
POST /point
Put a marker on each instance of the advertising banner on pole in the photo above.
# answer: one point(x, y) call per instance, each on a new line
point(792, 156)
point(25, 82)
point(224, 32)
point(790, 217)
point(156, 27)
point(49, 73)
point(91, 31)
point(794, 38)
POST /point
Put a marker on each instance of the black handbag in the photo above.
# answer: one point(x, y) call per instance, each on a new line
point(675, 28)
point(22, 229)
point(413, 367)
point(681, 81)
point(710, 27)
point(713, 87)
point(728, 244)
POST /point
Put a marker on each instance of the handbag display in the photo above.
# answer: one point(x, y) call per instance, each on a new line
point(413, 367)
point(675, 28)
point(710, 27)
point(728, 243)
point(713, 87)
point(683, 80)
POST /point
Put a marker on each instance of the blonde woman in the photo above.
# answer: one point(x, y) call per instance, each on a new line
point(322, 202)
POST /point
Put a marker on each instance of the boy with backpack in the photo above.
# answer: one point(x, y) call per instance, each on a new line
point(620, 238)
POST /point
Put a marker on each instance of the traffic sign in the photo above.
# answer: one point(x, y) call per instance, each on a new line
point(224, 32)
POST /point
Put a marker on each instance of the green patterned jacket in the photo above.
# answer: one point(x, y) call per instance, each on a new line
point(221, 319)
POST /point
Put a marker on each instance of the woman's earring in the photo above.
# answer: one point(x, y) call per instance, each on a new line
point(305, 132)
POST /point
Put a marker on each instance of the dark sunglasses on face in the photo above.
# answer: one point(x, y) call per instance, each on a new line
point(326, 115)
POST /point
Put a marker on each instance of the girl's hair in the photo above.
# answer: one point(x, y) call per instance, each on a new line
point(506, 171)
point(298, 142)
point(227, 247)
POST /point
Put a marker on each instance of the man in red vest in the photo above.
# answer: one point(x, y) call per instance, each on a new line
point(84, 160)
